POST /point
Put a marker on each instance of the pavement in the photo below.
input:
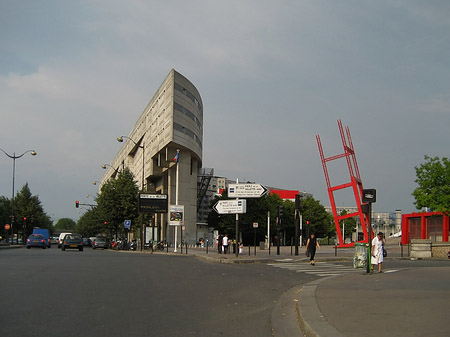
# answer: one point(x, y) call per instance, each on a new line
point(398, 302)
point(407, 301)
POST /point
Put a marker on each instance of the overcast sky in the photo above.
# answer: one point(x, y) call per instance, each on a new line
point(74, 75)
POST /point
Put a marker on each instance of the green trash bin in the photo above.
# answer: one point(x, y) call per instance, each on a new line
point(360, 255)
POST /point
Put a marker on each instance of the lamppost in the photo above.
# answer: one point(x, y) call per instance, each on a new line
point(14, 157)
point(120, 139)
point(105, 166)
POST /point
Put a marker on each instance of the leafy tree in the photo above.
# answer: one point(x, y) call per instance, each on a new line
point(321, 221)
point(350, 225)
point(65, 223)
point(5, 215)
point(91, 223)
point(118, 201)
point(29, 213)
point(433, 180)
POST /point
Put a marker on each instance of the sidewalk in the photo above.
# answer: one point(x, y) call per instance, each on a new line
point(405, 302)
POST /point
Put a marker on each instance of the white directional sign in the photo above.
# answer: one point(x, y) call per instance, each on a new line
point(231, 206)
point(246, 190)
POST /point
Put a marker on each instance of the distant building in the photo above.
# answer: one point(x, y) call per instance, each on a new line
point(173, 120)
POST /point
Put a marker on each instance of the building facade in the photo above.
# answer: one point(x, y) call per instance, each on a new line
point(171, 122)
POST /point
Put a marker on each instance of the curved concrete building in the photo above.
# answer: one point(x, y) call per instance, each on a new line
point(173, 120)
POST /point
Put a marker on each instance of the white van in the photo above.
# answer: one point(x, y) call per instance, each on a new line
point(61, 238)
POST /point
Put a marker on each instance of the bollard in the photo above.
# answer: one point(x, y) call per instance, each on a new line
point(249, 250)
point(335, 250)
point(186, 248)
point(207, 246)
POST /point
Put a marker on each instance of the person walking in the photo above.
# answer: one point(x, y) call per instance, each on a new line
point(219, 243)
point(225, 244)
point(311, 245)
point(377, 251)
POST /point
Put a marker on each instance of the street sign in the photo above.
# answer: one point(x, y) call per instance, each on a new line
point(153, 203)
point(255, 225)
point(231, 206)
point(176, 215)
point(246, 190)
point(7, 226)
point(127, 224)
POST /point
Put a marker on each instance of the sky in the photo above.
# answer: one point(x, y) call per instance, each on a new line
point(272, 75)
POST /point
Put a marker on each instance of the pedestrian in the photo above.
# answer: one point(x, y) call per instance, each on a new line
point(241, 248)
point(219, 243)
point(225, 244)
point(377, 251)
point(311, 245)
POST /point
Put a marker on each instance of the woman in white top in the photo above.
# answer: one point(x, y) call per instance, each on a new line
point(377, 251)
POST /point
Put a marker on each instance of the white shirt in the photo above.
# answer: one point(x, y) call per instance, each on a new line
point(225, 241)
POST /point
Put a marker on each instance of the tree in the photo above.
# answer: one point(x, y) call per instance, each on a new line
point(350, 225)
point(118, 201)
point(91, 223)
point(320, 221)
point(29, 213)
point(65, 223)
point(433, 179)
point(5, 215)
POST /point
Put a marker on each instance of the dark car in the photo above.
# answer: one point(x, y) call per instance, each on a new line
point(87, 242)
point(73, 240)
point(36, 240)
point(99, 243)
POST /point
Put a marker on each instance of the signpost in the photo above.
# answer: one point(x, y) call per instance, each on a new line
point(246, 190)
point(238, 206)
point(176, 215)
point(153, 203)
point(127, 224)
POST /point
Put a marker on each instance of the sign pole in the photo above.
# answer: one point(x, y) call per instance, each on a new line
point(268, 231)
point(176, 196)
point(236, 251)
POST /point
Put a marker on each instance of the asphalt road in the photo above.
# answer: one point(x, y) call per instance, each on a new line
point(103, 293)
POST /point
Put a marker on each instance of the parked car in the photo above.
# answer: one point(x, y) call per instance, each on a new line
point(60, 238)
point(72, 240)
point(99, 243)
point(87, 242)
point(54, 240)
point(45, 233)
point(36, 240)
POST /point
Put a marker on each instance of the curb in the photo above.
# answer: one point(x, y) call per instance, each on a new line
point(11, 247)
point(285, 319)
point(311, 319)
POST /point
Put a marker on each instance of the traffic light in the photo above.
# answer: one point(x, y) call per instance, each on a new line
point(77, 204)
point(24, 218)
point(280, 211)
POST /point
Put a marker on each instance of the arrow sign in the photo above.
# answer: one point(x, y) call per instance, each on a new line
point(246, 190)
point(231, 206)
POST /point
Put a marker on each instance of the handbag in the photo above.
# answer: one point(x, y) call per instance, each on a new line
point(307, 253)
point(384, 252)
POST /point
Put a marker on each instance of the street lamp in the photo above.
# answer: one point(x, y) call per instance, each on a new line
point(14, 157)
point(105, 166)
point(120, 140)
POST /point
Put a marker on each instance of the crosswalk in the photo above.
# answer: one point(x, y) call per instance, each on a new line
point(321, 269)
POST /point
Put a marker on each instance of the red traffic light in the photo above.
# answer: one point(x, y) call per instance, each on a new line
point(77, 204)
point(24, 218)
